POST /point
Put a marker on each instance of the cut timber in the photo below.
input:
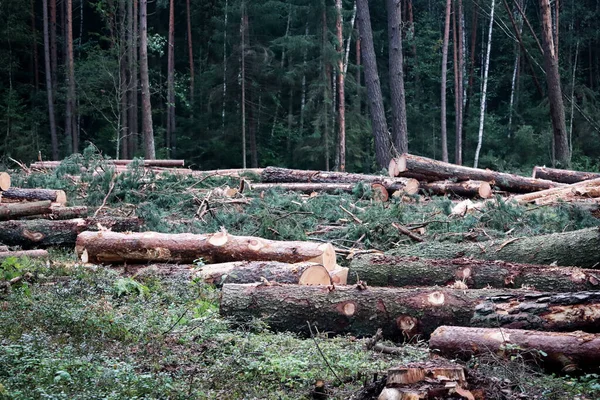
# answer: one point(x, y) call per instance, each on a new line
point(471, 189)
point(146, 163)
point(4, 181)
point(564, 351)
point(399, 271)
point(305, 187)
point(60, 212)
point(406, 312)
point(563, 175)
point(112, 247)
point(284, 175)
point(17, 210)
point(43, 232)
point(268, 272)
point(576, 248)
point(414, 166)
point(23, 253)
point(574, 190)
point(55, 196)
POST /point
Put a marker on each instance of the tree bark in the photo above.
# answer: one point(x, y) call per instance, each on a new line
point(171, 81)
point(458, 151)
point(409, 187)
point(396, 66)
point(44, 233)
point(133, 84)
point(444, 78)
point(341, 75)
point(62, 213)
point(401, 271)
point(563, 175)
point(190, 50)
point(243, 79)
point(576, 248)
point(55, 196)
point(148, 130)
point(573, 350)
point(378, 121)
point(406, 312)
point(557, 109)
point(23, 253)
point(53, 46)
point(123, 82)
point(469, 189)
point(34, 48)
point(111, 247)
point(49, 74)
point(408, 165)
point(17, 210)
point(70, 78)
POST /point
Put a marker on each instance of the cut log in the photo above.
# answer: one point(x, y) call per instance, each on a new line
point(17, 210)
point(563, 351)
point(23, 253)
point(60, 212)
point(146, 163)
point(470, 189)
point(4, 181)
point(563, 175)
point(380, 192)
point(112, 247)
point(572, 191)
point(44, 233)
point(268, 272)
point(414, 166)
point(406, 312)
point(284, 175)
point(398, 271)
point(576, 248)
point(55, 196)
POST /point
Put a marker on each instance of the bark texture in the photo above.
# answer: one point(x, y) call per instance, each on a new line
point(471, 189)
point(16, 210)
point(575, 350)
point(444, 79)
point(563, 175)
point(55, 196)
point(406, 312)
point(399, 271)
point(396, 66)
point(49, 84)
point(147, 128)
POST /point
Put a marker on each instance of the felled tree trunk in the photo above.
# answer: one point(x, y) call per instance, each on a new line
point(573, 350)
point(4, 181)
point(268, 272)
point(113, 247)
point(406, 312)
point(44, 233)
point(284, 175)
point(380, 191)
point(23, 253)
point(398, 271)
point(576, 248)
point(62, 213)
point(146, 163)
point(563, 175)
point(408, 165)
point(55, 196)
point(471, 189)
point(16, 210)
point(587, 188)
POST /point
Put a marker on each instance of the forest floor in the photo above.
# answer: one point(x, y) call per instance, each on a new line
point(84, 331)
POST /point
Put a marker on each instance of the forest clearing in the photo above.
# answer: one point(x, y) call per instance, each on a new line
point(144, 283)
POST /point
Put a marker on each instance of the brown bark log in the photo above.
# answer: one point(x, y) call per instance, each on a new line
point(573, 350)
point(267, 272)
point(563, 175)
point(471, 189)
point(406, 165)
point(44, 233)
point(576, 248)
point(380, 189)
point(4, 181)
point(17, 210)
point(61, 213)
point(23, 253)
point(145, 163)
point(280, 175)
point(406, 312)
point(564, 192)
point(55, 196)
point(112, 247)
point(399, 271)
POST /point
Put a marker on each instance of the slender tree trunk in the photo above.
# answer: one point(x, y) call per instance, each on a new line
point(49, 89)
point(456, 68)
point(444, 78)
point(484, 91)
point(124, 84)
point(190, 51)
point(132, 24)
point(326, 72)
point(341, 89)
point(471, 82)
point(396, 66)
point(378, 122)
point(513, 85)
point(34, 49)
point(458, 155)
point(171, 82)
point(224, 67)
point(557, 109)
point(53, 46)
point(243, 76)
point(148, 130)
point(573, 98)
point(358, 67)
point(70, 111)
point(303, 95)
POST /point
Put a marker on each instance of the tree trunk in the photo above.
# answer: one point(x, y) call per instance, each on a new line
point(171, 81)
point(190, 51)
point(44, 233)
point(17, 210)
point(111, 247)
point(133, 84)
point(444, 78)
point(62, 213)
point(124, 81)
point(378, 121)
point(55, 196)
point(396, 66)
point(557, 109)
point(243, 79)
point(70, 78)
point(148, 130)
point(458, 151)
point(326, 76)
point(341, 75)
point(409, 186)
point(49, 85)
point(484, 90)
point(269, 272)
point(23, 253)
point(469, 189)
point(408, 165)
point(562, 175)
point(405, 312)
point(53, 46)
point(34, 49)
point(562, 351)
point(5, 181)
point(590, 188)
point(401, 271)
point(576, 248)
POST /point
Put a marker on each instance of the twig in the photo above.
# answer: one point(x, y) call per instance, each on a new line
point(388, 349)
point(507, 243)
point(176, 322)
point(320, 352)
point(354, 217)
point(407, 232)
point(376, 338)
point(110, 189)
